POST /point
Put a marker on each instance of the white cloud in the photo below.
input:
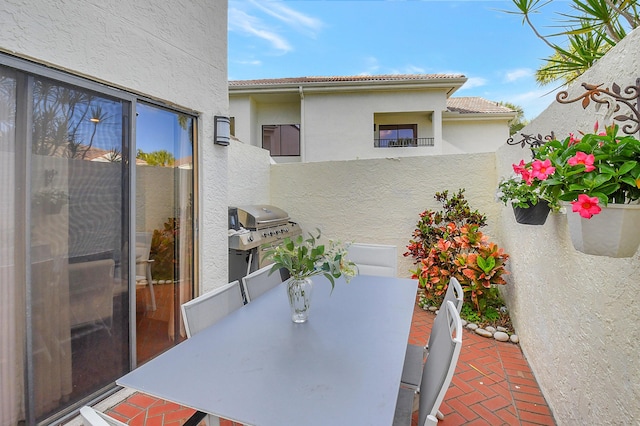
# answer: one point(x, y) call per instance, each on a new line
point(533, 102)
point(518, 74)
point(372, 66)
point(250, 25)
point(473, 82)
point(408, 69)
point(289, 16)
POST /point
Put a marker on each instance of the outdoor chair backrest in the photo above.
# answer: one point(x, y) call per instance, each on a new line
point(143, 249)
point(440, 364)
point(454, 295)
point(259, 282)
point(211, 307)
point(374, 259)
point(91, 417)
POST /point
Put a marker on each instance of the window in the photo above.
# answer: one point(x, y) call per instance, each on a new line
point(281, 139)
point(397, 135)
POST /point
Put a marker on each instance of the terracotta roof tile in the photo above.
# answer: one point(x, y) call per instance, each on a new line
point(356, 78)
point(474, 105)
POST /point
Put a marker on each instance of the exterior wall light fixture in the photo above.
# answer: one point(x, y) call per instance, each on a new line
point(222, 130)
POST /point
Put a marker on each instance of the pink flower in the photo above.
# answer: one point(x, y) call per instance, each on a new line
point(525, 173)
point(595, 127)
point(582, 158)
point(573, 140)
point(586, 206)
point(519, 168)
point(542, 169)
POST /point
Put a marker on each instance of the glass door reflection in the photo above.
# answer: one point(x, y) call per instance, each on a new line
point(164, 227)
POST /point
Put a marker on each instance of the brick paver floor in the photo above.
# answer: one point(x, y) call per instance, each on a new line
point(492, 385)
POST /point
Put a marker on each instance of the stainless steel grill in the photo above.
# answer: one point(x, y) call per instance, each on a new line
point(254, 229)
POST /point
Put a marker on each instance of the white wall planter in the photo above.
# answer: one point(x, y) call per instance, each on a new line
point(615, 232)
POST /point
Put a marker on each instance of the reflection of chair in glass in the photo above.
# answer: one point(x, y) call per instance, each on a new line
point(211, 307)
point(258, 282)
point(414, 358)
point(143, 264)
point(374, 259)
point(91, 288)
point(91, 417)
point(444, 350)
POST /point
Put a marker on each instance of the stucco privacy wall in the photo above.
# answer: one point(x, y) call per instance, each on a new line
point(466, 135)
point(576, 314)
point(249, 174)
point(379, 200)
point(174, 51)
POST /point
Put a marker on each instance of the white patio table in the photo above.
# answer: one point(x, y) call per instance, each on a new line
point(257, 367)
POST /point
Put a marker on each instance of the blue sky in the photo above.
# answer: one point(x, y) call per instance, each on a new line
point(493, 49)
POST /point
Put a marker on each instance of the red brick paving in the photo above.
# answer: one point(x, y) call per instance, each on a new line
point(493, 385)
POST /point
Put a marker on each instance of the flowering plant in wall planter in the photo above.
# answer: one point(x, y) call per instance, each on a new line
point(525, 198)
point(591, 175)
point(591, 172)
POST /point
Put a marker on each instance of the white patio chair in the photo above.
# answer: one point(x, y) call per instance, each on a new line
point(374, 259)
point(211, 307)
point(91, 417)
point(143, 264)
point(414, 358)
point(437, 373)
point(259, 282)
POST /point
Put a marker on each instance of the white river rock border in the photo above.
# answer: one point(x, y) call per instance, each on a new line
point(499, 333)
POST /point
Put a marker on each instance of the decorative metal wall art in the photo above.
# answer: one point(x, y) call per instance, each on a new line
point(613, 99)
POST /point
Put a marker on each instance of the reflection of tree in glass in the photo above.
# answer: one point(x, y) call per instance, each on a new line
point(76, 149)
point(162, 158)
point(7, 105)
point(54, 109)
point(65, 120)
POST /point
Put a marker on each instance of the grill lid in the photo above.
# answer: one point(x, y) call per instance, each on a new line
point(261, 215)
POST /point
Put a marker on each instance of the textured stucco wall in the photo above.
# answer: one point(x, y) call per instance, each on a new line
point(465, 135)
point(340, 126)
point(576, 314)
point(249, 174)
point(175, 51)
point(379, 200)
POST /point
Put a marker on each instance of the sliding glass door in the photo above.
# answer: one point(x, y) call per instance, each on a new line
point(164, 226)
point(70, 303)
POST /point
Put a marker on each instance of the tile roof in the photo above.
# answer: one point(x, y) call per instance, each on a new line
point(475, 105)
point(346, 79)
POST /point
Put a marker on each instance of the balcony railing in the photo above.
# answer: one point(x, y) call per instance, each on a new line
point(402, 142)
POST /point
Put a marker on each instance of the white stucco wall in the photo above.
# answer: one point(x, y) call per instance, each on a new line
point(379, 200)
point(249, 174)
point(340, 126)
point(576, 314)
point(175, 51)
point(470, 136)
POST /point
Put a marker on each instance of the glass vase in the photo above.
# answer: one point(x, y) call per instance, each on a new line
point(299, 292)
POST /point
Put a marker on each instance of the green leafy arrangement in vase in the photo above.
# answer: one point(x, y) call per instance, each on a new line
point(304, 258)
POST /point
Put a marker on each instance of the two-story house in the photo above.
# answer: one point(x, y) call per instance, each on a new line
point(311, 119)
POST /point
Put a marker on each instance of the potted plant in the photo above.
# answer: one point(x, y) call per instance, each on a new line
point(529, 207)
point(598, 176)
point(305, 258)
point(51, 200)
